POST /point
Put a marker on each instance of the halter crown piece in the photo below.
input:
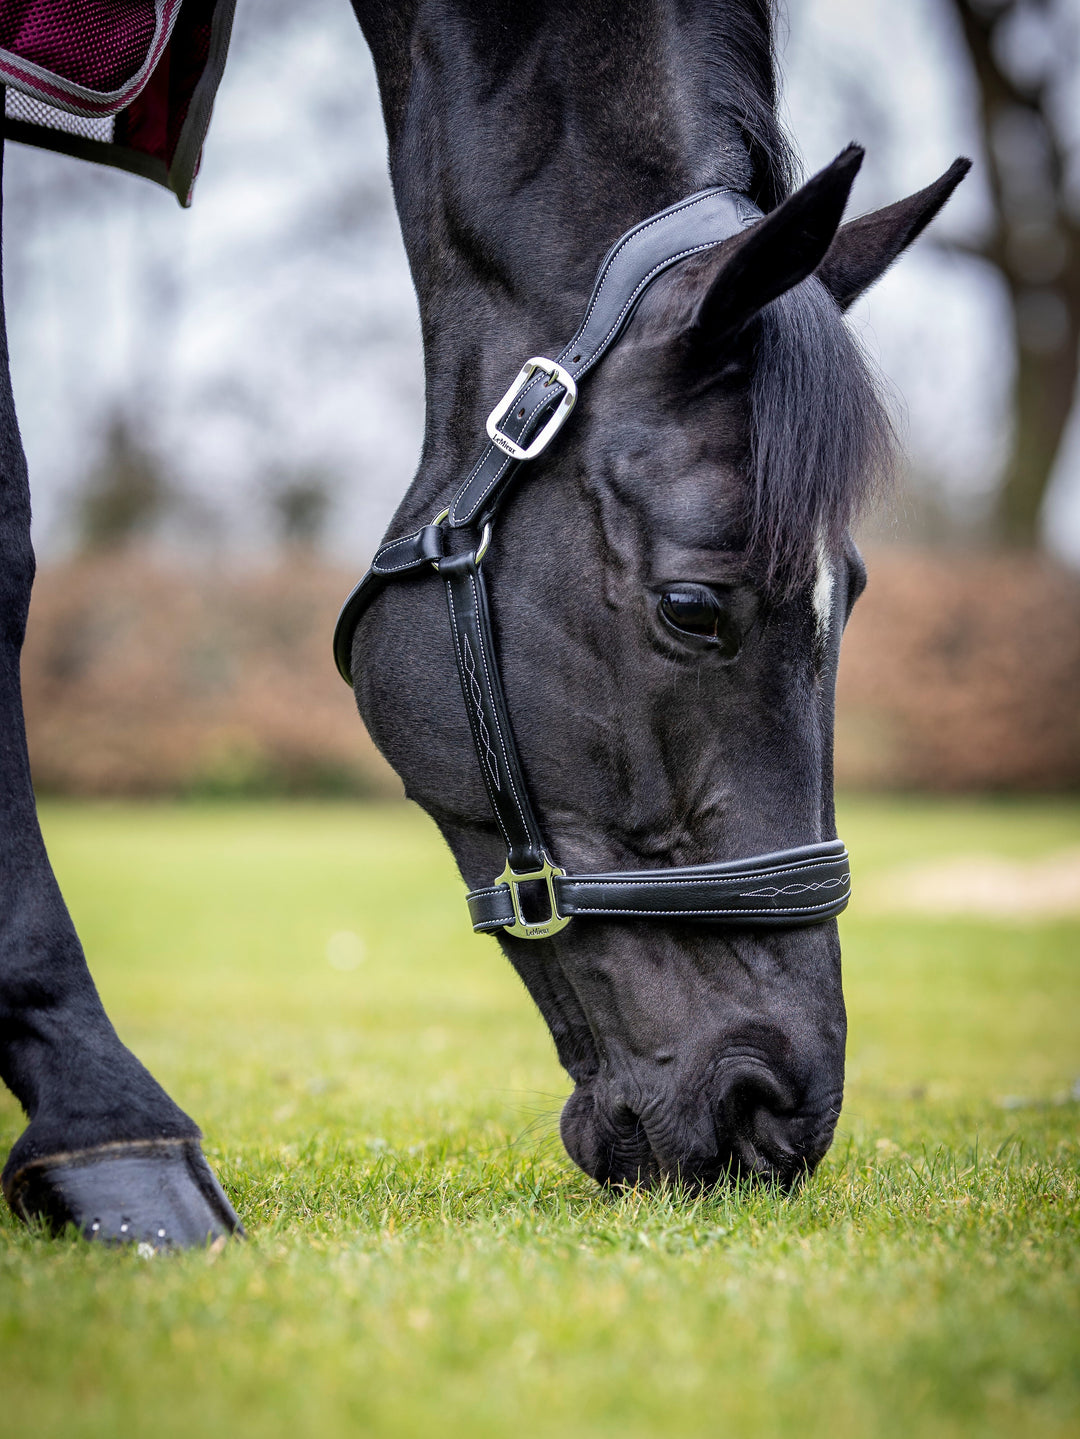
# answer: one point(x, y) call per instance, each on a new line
point(785, 889)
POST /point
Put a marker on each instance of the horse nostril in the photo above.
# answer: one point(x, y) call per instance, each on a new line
point(750, 1091)
point(757, 1126)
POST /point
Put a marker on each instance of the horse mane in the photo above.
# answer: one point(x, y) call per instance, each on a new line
point(738, 53)
point(821, 438)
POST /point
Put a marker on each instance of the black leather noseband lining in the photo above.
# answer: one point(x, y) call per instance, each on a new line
point(785, 889)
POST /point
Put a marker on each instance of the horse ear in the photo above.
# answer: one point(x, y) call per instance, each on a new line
point(778, 252)
point(865, 248)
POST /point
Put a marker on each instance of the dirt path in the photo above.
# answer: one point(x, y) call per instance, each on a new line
point(985, 885)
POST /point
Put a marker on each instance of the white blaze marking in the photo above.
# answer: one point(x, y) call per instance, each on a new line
point(823, 589)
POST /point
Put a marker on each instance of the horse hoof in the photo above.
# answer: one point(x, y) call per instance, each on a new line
point(159, 1192)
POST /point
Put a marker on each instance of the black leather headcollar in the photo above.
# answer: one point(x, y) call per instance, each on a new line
point(791, 887)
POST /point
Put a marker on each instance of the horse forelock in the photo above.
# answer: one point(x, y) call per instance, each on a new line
point(821, 438)
point(822, 442)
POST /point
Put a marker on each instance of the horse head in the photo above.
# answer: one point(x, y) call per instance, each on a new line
point(668, 583)
point(668, 596)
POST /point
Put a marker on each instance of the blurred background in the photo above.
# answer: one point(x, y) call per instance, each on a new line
point(221, 409)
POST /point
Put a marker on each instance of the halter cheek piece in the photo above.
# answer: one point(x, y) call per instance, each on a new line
point(789, 888)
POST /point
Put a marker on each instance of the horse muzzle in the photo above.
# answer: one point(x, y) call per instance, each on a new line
point(747, 1123)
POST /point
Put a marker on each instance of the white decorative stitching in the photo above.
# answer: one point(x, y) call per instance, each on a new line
point(620, 250)
point(647, 280)
point(461, 661)
point(383, 569)
point(577, 881)
point(395, 544)
point(495, 716)
point(734, 913)
point(773, 893)
point(490, 757)
point(733, 879)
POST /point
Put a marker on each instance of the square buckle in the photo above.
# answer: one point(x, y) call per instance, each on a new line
point(554, 424)
point(540, 929)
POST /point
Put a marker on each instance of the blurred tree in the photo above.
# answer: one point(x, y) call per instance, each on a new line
point(1024, 55)
point(126, 494)
point(301, 503)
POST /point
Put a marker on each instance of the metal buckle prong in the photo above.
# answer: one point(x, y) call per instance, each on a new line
point(544, 928)
point(556, 374)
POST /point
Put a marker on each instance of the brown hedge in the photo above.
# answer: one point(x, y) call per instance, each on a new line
point(959, 672)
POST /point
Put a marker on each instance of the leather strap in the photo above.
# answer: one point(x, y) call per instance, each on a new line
point(794, 886)
point(697, 223)
point(422, 547)
point(485, 704)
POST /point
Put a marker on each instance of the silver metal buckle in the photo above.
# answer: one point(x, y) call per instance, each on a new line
point(556, 374)
point(482, 547)
point(544, 928)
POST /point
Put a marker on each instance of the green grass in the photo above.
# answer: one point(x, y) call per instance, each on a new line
point(423, 1260)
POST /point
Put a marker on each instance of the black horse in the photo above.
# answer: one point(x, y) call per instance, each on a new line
point(668, 589)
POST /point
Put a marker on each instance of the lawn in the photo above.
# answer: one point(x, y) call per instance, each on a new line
point(381, 1102)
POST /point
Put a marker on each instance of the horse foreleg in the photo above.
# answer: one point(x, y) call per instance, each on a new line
point(106, 1148)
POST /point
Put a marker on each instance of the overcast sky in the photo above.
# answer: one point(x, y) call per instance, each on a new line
point(271, 330)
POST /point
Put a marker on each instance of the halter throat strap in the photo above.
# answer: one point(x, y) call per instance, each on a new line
point(784, 889)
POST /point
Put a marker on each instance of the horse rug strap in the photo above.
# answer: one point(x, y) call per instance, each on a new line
point(784, 889)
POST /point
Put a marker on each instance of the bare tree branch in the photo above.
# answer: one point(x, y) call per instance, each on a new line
point(1034, 243)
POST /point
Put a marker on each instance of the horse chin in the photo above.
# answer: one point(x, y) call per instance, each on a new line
point(745, 1130)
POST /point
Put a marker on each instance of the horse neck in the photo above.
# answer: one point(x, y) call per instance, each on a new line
point(523, 141)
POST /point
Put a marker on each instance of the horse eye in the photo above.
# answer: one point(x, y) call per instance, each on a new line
point(698, 610)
